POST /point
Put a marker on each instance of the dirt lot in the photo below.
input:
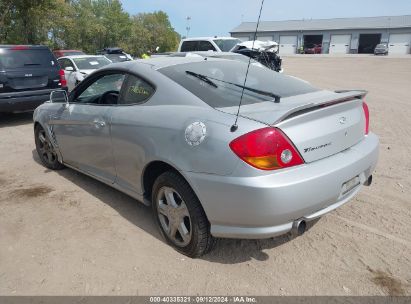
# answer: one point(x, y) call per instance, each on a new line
point(62, 233)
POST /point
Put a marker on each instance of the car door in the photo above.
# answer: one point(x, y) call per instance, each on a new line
point(70, 75)
point(82, 128)
point(131, 133)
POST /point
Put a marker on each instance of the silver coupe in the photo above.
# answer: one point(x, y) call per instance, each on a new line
point(166, 132)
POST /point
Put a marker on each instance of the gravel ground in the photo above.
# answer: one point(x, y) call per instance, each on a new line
point(62, 233)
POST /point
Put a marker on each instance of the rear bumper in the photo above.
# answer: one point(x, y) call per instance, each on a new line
point(23, 101)
point(266, 206)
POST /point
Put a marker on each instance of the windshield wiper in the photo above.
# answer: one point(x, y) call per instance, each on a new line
point(207, 79)
point(203, 78)
point(32, 63)
point(265, 93)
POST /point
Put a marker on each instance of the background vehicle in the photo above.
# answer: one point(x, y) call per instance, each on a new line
point(76, 68)
point(265, 52)
point(61, 53)
point(381, 49)
point(216, 44)
point(312, 48)
point(28, 73)
point(152, 128)
point(115, 54)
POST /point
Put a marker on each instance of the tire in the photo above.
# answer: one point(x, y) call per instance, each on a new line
point(170, 195)
point(45, 149)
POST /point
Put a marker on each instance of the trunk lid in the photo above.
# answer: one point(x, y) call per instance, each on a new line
point(319, 124)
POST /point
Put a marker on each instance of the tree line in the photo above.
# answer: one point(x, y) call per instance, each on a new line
point(88, 25)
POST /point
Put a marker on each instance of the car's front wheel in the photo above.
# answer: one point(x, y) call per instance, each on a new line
point(180, 216)
point(45, 149)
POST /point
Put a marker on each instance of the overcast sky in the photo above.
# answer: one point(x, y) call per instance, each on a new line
point(218, 17)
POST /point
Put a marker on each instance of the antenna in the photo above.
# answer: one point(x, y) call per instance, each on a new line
point(234, 127)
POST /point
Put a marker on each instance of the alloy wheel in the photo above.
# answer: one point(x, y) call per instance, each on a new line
point(174, 216)
point(47, 151)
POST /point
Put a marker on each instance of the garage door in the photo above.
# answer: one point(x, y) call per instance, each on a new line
point(340, 44)
point(288, 45)
point(265, 38)
point(399, 44)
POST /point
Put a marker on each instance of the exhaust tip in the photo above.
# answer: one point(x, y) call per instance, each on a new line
point(299, 227)
point(368, 182)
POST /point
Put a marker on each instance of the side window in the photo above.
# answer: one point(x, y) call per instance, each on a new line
point(105, 90)
point(70, 63)
point(62, 63)
point(136, 91)
point(65, 63)
point(206, 46)
point(189, 46)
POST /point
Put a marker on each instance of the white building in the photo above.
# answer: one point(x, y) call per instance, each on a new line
point(340, 35)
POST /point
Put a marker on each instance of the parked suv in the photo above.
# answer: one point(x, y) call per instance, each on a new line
point(28, 73)
point(200, 44)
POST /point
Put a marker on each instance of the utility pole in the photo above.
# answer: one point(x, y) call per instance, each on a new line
point(188, 18)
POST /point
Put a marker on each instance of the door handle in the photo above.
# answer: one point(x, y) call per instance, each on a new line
point(99, 123)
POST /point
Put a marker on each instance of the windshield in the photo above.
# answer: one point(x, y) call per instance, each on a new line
point(224, 94)
point(382, 45)
point(91, 63)
point(226, 44)
point(117, 57)
point(15, 59)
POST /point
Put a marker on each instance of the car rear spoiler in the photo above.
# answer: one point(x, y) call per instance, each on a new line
point(343, 96)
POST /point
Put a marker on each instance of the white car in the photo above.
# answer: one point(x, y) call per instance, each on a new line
point(76, 68)
point(201, 44)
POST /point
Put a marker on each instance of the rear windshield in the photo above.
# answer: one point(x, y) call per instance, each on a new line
point(226, 44)
point(91, 63)
point(16, 59)
point(227, 76)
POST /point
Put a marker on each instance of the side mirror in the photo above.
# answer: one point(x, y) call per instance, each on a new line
point(59, 96)
point(69, 69)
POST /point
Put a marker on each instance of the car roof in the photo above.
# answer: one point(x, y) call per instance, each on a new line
point(67, 51)
point(205, 54)
point(216, 54)
point(31, 47)
point(81, 56)
point(209, 38)
point(160, 62)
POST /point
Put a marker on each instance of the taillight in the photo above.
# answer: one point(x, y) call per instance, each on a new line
point(63, 80)
point(367, 117)
point(266, 149)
